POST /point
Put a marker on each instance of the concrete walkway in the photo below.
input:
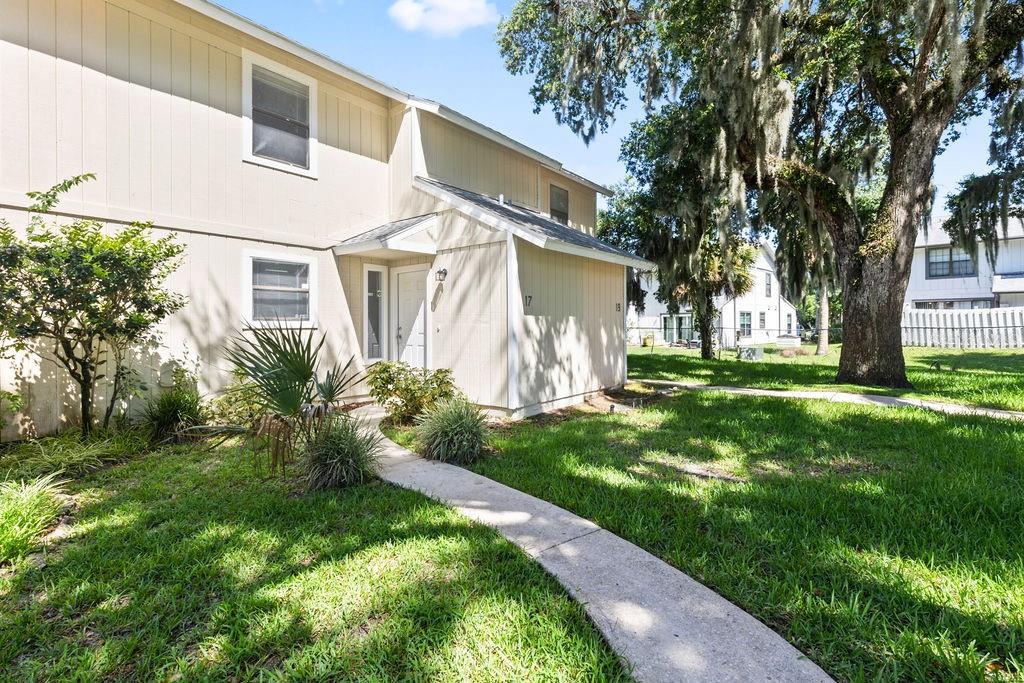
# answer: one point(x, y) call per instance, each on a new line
point(663, 624)
point(844, 397)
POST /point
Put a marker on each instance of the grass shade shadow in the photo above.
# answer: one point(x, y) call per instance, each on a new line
point(183, 565)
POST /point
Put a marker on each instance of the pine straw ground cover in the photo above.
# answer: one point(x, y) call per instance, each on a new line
point(884, 543)
point(183, 566)
point(984, 377)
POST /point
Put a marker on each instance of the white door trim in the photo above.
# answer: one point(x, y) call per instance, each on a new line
point(427, 319)
point(385, 301)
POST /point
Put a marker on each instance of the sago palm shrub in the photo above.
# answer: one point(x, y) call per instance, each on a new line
point(280, 365)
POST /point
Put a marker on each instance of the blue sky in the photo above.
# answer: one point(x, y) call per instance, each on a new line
point(444, 50)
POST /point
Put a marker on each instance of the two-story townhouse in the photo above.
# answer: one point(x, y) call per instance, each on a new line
point(761, 316)
point(945, 277)
point(307, 191)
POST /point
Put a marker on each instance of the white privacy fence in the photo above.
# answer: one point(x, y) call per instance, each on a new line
point(992, 328)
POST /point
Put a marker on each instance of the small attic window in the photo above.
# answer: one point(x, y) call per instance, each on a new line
point(559, 205)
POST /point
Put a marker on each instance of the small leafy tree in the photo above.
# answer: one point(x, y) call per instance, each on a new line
point(81, 291)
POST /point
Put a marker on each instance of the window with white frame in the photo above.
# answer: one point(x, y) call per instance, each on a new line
point(745, 327)
point(789, 323)
point(762, 320)
point(280, 289)
point(768, 284)
point(280, 116)
point(375, 314)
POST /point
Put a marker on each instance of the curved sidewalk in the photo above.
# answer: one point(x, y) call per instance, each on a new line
point(842, 397)
point(663, 624)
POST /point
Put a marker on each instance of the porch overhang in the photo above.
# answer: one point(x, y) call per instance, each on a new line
point(1012, 283)
point(393, 240)
point(528, 225)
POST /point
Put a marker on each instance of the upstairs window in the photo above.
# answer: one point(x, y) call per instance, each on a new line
point(280, 109)
point(280, 289)
point(949, 262)
point(768, 284)
point(560, 205)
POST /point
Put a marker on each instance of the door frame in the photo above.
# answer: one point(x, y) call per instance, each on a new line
point(427, 316)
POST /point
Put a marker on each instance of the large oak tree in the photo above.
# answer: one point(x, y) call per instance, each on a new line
point(806, 99)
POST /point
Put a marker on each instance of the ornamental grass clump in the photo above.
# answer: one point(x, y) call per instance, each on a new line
point(452, 431)
point(27, 508)
point(170, 416)
point(340, 452)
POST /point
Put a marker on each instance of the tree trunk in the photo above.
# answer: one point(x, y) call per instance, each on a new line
point(86, 389)
point(823, 321)
point(872, 342)
point(876, 272)
point(704, 318)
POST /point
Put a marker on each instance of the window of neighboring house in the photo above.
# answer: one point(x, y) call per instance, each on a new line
point(745, 324)
point(666, 328)
point(560, 205)
point(762, 320)
point(789, 323)
point(281, 289)
point(959, 304)
point(768, 284)
point(949, 262)
point(685, 327)
point(280, 111)
point(375, 312)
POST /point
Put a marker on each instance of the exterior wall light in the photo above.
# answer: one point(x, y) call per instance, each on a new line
point(442, 275)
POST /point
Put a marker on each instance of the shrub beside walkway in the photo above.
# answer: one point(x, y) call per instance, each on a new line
point(664, 625)
point(845, 397)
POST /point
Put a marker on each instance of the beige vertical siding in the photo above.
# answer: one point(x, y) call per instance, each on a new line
point(572, 336)
point(149, 97)
point(582, 200)
point(469, 324)
point(457, 156)
point(212, 279)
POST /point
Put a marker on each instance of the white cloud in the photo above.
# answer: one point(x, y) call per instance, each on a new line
point(443, 17)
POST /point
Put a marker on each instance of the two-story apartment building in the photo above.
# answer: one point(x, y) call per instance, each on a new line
point(761, 316)
point(306, 191)
point(944, 277)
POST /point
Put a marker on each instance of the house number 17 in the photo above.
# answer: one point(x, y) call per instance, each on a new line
point(528, 299)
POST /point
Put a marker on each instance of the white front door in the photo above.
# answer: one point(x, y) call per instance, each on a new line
point(410, 289)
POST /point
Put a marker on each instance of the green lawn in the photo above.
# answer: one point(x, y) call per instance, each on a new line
point(183, 566)
point(884, 543)
point(989, 377)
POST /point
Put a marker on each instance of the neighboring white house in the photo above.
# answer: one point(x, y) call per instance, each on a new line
point(305, 190)
point(761, 316)
point(944, 277)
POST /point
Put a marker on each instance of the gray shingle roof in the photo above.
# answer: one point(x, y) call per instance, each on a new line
point(529, 219)
point(385, 231)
